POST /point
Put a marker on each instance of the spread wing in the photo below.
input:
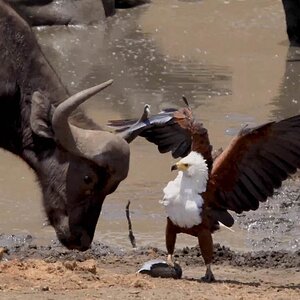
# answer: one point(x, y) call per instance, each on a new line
point(254, 164)
point(169, 130)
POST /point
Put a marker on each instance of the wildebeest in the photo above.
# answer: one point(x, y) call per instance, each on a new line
point(65, 12)
point(292, 16)
point(76, 167)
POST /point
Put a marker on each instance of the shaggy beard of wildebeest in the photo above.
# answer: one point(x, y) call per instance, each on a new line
point(75, 166)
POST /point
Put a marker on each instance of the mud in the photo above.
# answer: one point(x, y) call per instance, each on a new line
point(25, 248)
point(29, 271)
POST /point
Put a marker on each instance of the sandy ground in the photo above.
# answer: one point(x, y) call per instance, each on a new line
point(59, 274)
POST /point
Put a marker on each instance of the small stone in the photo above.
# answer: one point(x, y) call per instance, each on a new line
point(32, 246)
point(89, 265)
point(45, 288)
point(70, 265)
point(2, 251)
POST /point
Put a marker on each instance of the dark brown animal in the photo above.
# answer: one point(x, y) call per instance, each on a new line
point(292, 17)
point(63, 12)
point(75, 166)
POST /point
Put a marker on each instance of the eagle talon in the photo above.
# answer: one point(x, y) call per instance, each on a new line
point(209, 276)
point(170, 260)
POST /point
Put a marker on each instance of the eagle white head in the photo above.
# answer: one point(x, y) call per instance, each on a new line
point(194, 170)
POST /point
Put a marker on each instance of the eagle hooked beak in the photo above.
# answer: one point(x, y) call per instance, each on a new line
point(180, 166)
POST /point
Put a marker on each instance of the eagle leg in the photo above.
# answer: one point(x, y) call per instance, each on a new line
point(206, 247)
point(209, 276)
point(170, 241)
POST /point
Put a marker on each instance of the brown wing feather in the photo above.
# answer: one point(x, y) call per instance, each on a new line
point(172, 130)
point(254, 164)
point(173, 135)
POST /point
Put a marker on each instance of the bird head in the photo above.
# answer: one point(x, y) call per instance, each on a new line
point(146, 113)
point(194, 167)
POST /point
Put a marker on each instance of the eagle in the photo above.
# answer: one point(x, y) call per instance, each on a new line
point(246, 173)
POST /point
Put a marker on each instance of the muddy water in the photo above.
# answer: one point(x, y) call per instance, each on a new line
point(229, 58)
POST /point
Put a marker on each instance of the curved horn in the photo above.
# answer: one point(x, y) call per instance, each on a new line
point(61, 114)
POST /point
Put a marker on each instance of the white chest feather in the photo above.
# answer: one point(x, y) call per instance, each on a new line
point(182, 201)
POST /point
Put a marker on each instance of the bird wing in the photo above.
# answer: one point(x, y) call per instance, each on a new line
point(254, 164)
point(169, 130)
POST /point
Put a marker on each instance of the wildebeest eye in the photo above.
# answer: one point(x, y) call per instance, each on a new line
point(87, 179)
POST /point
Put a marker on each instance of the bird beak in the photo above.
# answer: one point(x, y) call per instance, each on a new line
point(179, 166)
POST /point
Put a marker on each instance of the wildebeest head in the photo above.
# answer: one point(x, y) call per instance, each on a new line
point(84, 167)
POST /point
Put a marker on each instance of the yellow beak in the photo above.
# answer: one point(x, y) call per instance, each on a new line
point(179, 166)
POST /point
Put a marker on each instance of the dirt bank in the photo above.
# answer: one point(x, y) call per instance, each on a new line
point(28, 271)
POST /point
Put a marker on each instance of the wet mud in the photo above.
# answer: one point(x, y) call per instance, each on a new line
point(186, 256)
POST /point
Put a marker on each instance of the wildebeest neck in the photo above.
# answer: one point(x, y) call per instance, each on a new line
point(24, 59)
point(24, 69)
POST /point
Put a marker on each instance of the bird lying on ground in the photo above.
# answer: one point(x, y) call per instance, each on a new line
point(243, 175)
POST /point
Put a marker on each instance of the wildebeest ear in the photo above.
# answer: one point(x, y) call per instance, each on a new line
point(40, 116)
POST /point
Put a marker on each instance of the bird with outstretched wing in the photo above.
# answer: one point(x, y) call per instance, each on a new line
point(172, 130)
point(243, 175)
